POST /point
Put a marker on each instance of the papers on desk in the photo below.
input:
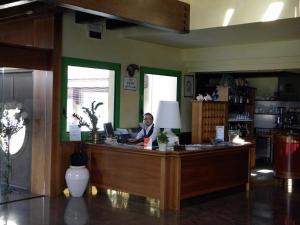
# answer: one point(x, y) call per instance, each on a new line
point(119, 131)
point(220, 133)
point(75, 132)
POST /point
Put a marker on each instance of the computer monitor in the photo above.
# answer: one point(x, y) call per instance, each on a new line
point(108, 129)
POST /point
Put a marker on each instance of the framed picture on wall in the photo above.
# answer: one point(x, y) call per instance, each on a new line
point(188, 86)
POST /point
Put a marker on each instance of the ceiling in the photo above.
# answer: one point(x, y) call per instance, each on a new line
point(280, 30)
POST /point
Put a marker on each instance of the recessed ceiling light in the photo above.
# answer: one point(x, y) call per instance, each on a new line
point(14, 4)
point(228, 16)
point(273, 11)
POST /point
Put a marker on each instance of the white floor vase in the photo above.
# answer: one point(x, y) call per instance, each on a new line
point(77, 178)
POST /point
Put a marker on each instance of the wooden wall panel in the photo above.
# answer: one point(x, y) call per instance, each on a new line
point(211, 172)
point(168, 14)
point(173, 181)
point(41, 132)
point(17, 32)
point(57, 175)
point(121, 170)
point(43, 32)
point(35, 32)
point(25, 57)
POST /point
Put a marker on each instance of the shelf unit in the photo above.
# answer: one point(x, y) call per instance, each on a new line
point(205, 117)
point(231, 120)
point(244, 126)
point(275, 114)
point(207, 84)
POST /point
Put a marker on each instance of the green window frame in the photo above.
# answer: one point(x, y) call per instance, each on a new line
point(67, 61)
point(164, 72)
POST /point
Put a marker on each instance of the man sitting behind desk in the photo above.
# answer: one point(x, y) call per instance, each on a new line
point(147, 132)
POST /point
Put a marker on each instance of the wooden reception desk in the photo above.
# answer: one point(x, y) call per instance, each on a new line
point(168, 176)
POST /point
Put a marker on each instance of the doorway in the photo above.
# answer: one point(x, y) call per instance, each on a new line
point(16, 90)
point(17, 119)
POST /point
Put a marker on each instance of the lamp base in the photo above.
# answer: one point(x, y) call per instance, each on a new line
point(173, 138)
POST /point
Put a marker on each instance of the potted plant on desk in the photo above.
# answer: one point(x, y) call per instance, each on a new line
point(162, 140)
point(77, 175)
point(91, 113)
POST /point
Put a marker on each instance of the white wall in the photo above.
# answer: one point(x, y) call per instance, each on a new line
point(250, 57)
point(114, 48)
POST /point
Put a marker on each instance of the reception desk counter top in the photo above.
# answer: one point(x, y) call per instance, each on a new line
point(172, 175)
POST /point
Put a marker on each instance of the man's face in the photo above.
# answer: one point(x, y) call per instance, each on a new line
point(148, 120)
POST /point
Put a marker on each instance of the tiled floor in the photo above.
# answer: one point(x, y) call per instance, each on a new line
point(15, 194)
point(268, 202)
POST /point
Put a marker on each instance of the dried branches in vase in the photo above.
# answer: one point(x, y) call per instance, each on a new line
point(12, 120)
point(92, 126)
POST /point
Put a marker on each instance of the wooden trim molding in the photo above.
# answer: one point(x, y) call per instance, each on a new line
point(25, 57)
point(168, 14)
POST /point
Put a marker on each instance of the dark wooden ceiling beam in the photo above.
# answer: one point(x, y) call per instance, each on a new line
point(25, 57)
point(84, 18)
point(164, 14)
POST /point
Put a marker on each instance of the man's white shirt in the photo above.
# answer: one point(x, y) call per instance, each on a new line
point(153, 135)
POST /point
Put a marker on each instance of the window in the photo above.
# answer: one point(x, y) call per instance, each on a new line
point(158, 85)
point(86, 81)
point(17, 139)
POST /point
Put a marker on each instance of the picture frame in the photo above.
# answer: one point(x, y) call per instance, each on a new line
point(188, 86)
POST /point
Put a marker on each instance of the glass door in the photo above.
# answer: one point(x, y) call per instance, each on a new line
point(1, 104)
point(16, 90)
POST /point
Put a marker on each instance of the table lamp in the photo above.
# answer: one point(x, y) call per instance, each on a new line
point(168, 117)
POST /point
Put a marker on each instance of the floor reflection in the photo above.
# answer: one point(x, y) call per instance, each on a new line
point(123, 200)
point(118, 199)
point(154, 209)
point(267, 203)
point(5, 217)
point(76, 212)
point(16, 194)
point(4, 221)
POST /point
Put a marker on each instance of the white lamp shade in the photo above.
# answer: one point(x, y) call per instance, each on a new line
point(168, 115)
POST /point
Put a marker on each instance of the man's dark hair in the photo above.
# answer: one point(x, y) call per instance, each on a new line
point(149, 114)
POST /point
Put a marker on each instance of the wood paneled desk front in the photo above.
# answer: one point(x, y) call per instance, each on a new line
point(168, 176)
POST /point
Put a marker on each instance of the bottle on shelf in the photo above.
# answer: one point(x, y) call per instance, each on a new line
point(240, 96)
point(240, 129)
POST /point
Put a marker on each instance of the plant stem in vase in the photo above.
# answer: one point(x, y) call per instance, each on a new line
point(7, 168)
point(95, 137)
